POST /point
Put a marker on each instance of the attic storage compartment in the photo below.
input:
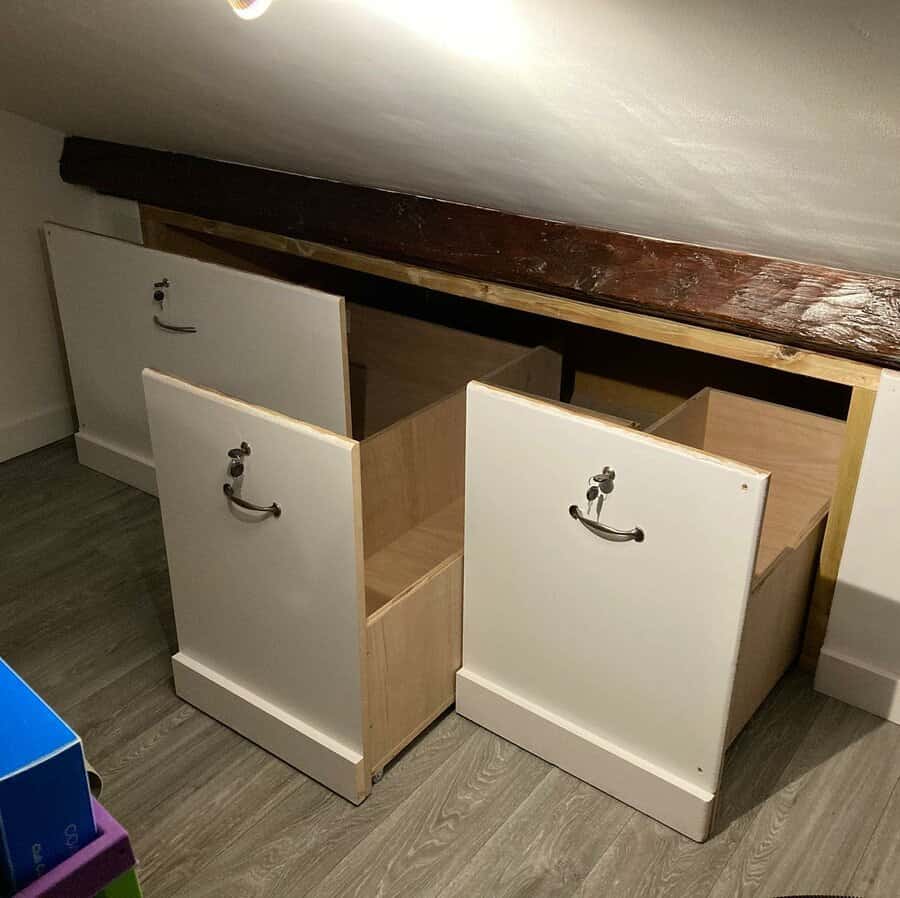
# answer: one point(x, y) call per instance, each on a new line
point(651, 588)
point(732, 583)
point(801, 451)
point(322, 619)
point(308, 454)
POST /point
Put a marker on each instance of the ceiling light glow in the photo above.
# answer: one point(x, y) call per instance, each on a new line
point(484, 29)
point(249, 9)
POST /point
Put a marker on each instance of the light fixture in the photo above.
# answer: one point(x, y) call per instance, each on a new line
point(249, 9)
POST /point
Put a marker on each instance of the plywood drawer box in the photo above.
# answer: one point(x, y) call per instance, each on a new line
point(629, 647)
point(326, 626)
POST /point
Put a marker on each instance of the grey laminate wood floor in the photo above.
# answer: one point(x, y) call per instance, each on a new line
point(810, 800)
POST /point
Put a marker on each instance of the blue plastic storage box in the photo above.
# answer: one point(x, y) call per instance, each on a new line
point(45, 801)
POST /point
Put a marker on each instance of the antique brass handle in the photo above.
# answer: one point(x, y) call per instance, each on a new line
point(274, 509)
point(159, 295)
point(604, 532)
point(599, 487)
point(235, 470)
point(175, 328)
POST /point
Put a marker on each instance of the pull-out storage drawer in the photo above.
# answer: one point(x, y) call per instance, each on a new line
point(124, 307)
point(317, 579)
point(631, 597)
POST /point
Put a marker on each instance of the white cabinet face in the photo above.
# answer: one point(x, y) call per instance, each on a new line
point(860, 661)
point(611, 657)
point(269, 609)
point(267, 341)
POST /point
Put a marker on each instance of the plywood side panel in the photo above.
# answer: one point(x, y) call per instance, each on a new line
point(800, 448)
point(416, 467)
point(395, 567)
point(412, 470)
point(414, 650)
point(773, 627)
point(638, 402)
point(405, 363)
point(685, 424)
point(802, 451)
point(538, 372)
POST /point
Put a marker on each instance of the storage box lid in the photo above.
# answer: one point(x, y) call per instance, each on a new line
point(30, 730)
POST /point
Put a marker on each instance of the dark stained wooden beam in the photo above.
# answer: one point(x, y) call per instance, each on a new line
point(803, 305)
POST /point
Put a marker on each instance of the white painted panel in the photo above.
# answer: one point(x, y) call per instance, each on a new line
point(271, 604)
point(634, 643)
point(267, 341)
point(864, 626)
point(35, 402)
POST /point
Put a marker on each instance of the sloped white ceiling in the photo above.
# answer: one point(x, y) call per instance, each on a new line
point(769, 126)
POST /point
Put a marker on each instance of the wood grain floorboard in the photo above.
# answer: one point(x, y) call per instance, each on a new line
point(174, 842)
point(813, 831)
point(649, 860)
point(429, 838)
point(307, 835)
point(548, 846)
point(878, 872)
point(97, 711)
point(809, 802)
point(107, 736)
point(184, 747)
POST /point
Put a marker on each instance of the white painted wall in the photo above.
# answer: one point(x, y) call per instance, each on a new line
point(860, 661)
point(35, 404)
point(771, 126)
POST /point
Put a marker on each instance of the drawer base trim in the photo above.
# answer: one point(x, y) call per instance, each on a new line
point(116, 462)
point(668, 799)
point(318, 756)
point(859, 684)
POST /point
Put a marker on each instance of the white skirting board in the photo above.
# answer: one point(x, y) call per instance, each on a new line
point(670, 800)
point(35, 431)
point(862, 646)
point(317, 755)
point(116, 462)
point(856, 683)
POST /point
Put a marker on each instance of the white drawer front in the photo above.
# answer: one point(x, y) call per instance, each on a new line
point(632, 644)
point(272, 606)
point(267, 341)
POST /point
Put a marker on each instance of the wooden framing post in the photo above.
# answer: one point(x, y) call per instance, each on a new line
point(861, 404)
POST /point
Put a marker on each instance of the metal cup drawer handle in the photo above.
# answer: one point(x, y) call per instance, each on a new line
point(600, 486)
point(235, 470)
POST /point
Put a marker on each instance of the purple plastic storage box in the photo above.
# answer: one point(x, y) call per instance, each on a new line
point(91, 869)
